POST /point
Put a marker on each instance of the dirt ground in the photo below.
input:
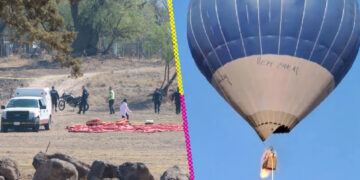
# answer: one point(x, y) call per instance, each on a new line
point(133, 80)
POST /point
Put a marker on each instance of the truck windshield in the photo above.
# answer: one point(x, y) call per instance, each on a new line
point(23, 103)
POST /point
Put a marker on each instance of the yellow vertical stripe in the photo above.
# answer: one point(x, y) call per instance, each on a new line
point(175, 46)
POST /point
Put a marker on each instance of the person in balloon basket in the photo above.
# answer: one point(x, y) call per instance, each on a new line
point(54, 97)
point(124, 110)
point(157, 98)
point(111, 100)
point(176, 96)
point(84, 99)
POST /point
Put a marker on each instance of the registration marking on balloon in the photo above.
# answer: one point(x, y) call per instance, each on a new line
point(279, 65)
point(273, 92)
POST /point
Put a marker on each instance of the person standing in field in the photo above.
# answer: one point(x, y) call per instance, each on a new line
point(157, 98)
point(84, 98)
point(111, 99)
point(176, 96)
point(124, 110)
point(54, 97)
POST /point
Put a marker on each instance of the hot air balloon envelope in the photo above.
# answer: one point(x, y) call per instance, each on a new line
point(274, 61)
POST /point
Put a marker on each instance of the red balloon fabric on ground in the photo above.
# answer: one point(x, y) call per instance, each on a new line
point(122, 125)
point(94, 122)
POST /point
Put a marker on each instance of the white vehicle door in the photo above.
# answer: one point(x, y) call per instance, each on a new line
point(49, 108)
point(42, 111)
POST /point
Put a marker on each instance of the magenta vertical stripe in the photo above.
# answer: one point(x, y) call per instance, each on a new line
point(187, 137)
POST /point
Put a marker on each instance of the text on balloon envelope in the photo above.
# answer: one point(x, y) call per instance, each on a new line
point(279, 65)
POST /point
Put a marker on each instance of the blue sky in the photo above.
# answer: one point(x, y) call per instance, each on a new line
point(324, 146)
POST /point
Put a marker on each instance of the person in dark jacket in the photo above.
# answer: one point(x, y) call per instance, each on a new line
point(176, 96)
point(157, 98)
point(54, 97)
point(84, 98)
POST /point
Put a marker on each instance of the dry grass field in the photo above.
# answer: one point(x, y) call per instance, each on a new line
point(131, 79)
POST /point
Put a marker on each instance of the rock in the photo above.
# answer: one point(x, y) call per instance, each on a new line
point(134, 171)
point(9, 169)
point(56, 169)
point(82, 168)
point(174, 173)
point(96, 170)
point(39, 159)
point(100, 170)
point(127, 171)
point(111, 171)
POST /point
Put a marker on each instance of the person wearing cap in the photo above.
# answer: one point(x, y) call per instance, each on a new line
point(111, 99)
point(54, 97)
point(124, 110)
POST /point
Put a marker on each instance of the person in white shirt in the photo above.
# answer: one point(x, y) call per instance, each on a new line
point(124, 109)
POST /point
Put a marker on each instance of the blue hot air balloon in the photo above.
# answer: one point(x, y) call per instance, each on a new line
point(274, 61)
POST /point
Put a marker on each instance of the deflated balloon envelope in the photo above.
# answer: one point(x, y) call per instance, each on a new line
point(274, 61)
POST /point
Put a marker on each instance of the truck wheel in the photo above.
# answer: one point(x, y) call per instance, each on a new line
point(61, 105)
point(4, 129)
point(36, 127)
point(48, 125)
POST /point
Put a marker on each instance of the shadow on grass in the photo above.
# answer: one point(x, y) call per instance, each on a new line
point(37, 65)
point(23, 130)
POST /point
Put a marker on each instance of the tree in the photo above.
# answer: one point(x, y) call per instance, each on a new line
point(2, 27)
point(87, 37)
point(161, 36)
point(167, 55)
point(121, 20)
point(110, 20)
point(39, 21)
point(75, 27)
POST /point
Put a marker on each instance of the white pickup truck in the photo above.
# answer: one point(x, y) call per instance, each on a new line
point(30, 108)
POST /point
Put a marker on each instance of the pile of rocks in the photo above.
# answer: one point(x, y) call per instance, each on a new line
point(62, 167)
